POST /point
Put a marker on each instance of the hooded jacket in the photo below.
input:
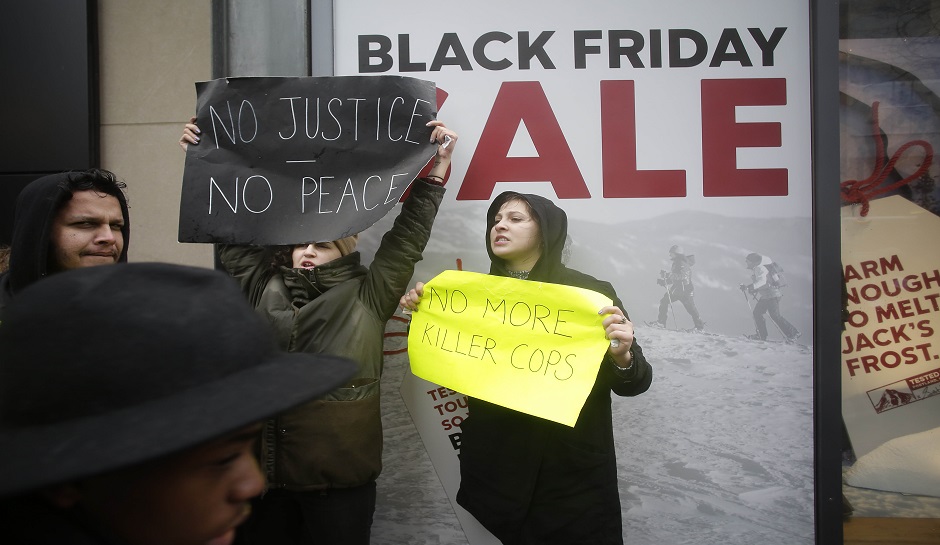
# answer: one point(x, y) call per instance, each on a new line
point(338, 308)
point(36, 209)
point(528, 479)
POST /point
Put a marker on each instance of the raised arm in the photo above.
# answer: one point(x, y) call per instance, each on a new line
point(402, 246)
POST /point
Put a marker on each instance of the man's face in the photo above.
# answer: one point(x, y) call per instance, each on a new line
point(196, 497)
point(87, 232)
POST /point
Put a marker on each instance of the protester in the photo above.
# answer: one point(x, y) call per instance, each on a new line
point(129, 405)
point(529, 480)
point(767, 293)
point(65, 221)
point(679, 288)
point(322, 459)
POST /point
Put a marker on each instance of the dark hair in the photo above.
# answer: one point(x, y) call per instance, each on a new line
point(94, 179)
point(281, 256)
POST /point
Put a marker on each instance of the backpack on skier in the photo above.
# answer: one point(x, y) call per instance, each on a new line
point(775, 277)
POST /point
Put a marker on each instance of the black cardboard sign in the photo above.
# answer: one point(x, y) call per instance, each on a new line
point(291, 160)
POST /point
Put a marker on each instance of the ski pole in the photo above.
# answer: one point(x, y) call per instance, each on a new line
point(751, 308)
point(746, 300)
point(675, 321)
point(770, 317)
point(782, 334)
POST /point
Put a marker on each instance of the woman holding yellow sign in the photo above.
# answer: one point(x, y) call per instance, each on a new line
point(527, 479)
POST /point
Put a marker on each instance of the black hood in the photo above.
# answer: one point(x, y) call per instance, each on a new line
point(36, 208)
point(553, 226)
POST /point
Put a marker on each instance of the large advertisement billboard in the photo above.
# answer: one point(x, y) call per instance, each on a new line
point(662, 129)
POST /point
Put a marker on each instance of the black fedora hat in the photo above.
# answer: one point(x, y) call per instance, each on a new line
point(106, 367)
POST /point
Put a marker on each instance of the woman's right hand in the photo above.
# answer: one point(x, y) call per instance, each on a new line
point(191, 134)
point(409, 301)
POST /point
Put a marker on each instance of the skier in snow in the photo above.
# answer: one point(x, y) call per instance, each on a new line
point(678, 284)
point(765, 287)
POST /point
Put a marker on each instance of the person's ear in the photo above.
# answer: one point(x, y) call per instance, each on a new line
point(63, 496)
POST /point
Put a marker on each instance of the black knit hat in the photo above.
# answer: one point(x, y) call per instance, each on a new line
point(106, 367)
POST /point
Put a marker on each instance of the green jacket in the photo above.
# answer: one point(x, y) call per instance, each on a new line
point(341, 309)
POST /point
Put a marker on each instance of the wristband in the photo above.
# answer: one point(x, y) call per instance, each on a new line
point(622, 371)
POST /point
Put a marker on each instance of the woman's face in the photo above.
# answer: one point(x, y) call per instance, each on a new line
point(314, 254)
point(515, 237)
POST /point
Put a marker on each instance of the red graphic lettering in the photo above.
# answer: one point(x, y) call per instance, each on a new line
point(722, 136)
point(522, 102)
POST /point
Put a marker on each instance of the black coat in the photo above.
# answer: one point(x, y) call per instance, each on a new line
point(29, 520)
point(531, 480)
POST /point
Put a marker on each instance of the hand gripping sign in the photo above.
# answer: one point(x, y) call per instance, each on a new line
point(289, 160)
point(534, 347)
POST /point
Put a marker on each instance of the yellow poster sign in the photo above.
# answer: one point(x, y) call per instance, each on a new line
point(534, 347)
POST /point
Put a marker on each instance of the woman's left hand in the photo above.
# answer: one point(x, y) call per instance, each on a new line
point(445, 138)
point(620, 332)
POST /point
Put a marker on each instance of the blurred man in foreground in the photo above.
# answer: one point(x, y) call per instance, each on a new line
point(129, 406)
